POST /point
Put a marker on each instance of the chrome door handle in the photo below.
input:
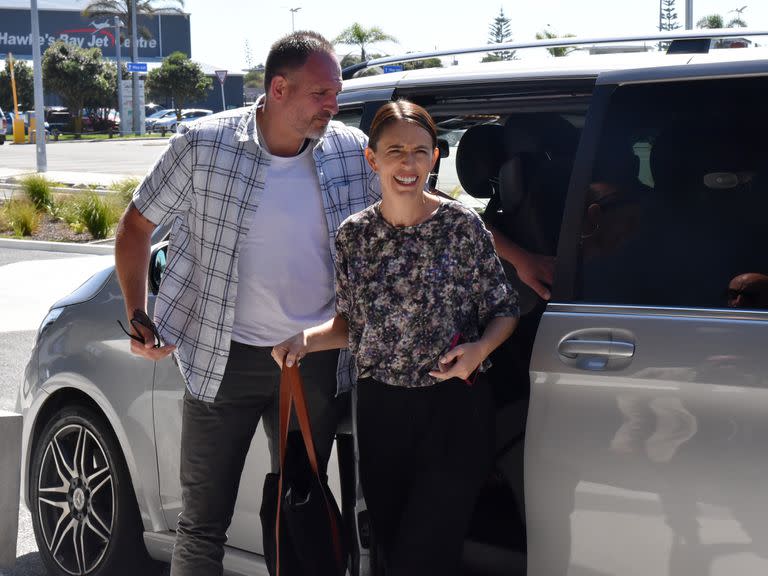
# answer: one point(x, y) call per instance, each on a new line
point(572, 348)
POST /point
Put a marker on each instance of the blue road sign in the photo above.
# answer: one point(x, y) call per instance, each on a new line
point(137, 66)
point(392, 68)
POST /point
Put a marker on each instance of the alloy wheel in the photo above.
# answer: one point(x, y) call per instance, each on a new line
point(76, 499)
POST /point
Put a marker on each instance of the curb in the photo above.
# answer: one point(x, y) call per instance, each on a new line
point(68, 247)
point(10, 190)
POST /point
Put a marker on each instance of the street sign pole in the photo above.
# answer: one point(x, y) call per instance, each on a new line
point(42, 161)
point(137, 127)
point(120, 96)
point(222, 76)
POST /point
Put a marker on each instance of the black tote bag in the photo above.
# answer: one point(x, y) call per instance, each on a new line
point(300, 519)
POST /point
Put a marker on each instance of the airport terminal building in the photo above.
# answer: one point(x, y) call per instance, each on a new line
point(168, 33)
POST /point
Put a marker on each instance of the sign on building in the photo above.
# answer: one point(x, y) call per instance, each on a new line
point(169, 33)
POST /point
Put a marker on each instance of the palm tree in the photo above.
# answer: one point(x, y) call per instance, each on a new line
point(556, 51)
point(357, 35)
point(711, 21)
point(122, 8)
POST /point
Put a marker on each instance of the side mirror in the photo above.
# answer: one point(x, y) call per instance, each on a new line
point(156, 267)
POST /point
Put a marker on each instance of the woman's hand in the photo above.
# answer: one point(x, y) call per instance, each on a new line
point(291, 351)
point(460, 362)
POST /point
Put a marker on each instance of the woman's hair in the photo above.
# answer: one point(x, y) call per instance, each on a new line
point(400, 110)
point(291, 52)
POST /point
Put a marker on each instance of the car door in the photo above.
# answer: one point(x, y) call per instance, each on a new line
point(648, 419)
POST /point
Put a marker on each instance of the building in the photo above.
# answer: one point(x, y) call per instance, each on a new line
point(168, 33)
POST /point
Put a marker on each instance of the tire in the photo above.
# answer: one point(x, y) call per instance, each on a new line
point(84, 511)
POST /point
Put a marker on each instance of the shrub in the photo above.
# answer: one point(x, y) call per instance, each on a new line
point(124, 189)
point(38, 190)
point(96, 214)
point(22, 217)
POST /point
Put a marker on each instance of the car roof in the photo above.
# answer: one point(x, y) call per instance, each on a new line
point(573, 66)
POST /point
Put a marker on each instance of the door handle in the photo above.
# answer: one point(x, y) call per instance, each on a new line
point(572, 348)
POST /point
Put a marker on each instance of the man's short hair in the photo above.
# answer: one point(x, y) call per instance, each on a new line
point(291, 52)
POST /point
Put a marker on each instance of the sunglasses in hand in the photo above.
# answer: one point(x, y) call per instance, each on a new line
point(140, 318)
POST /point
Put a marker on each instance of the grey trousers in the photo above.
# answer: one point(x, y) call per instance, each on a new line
point(215, 438)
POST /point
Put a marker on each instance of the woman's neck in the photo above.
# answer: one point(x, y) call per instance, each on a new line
point(408, 211)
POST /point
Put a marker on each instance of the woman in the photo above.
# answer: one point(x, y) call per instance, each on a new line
point(421, 302)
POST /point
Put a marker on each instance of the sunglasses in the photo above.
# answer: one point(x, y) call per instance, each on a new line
point(140, 318)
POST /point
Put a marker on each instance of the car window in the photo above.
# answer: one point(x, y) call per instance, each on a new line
point(675, 212)
point(350, 116)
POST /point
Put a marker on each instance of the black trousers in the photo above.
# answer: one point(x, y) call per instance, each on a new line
point(215, 438)
point(424, 454)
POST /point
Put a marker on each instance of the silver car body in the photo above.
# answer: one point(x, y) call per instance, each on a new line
point(593, 505)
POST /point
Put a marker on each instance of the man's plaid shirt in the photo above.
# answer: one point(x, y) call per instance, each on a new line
point(208, 185)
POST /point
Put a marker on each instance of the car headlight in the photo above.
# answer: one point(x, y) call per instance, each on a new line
point(49, 319)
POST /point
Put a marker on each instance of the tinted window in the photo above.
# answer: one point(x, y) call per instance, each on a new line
point(676, 212)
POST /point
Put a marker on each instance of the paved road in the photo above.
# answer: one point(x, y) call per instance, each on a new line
point(26, 292)
point(122, 157)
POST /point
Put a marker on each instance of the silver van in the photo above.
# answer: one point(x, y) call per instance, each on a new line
point(631, 429)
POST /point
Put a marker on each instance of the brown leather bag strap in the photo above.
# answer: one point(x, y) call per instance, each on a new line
point(291, 380)
point(286, 400)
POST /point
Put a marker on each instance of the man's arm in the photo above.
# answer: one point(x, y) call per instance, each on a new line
point(132, 252)
point(535, 270)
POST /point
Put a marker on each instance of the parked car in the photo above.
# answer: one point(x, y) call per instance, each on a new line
point(169, 123)
point(5, 123)
point(150, 120)
point(632, 419)
point(59, 120)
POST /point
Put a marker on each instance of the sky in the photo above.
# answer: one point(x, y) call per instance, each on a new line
point(220, 29)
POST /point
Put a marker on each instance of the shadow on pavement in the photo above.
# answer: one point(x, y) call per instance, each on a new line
point(28, 565)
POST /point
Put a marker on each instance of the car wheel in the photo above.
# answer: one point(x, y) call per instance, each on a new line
point(84, 510)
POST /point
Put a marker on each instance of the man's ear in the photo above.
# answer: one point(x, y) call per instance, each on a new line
point(278, 88)
point(370, 156)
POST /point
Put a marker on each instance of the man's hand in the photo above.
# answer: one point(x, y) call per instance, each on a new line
point(148, 350)
point(459, 362)
point(537, 271)
point(291, 351)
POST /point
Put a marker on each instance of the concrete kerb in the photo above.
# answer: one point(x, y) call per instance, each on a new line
point(68, 247)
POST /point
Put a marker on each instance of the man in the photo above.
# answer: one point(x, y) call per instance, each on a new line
point(254, 197)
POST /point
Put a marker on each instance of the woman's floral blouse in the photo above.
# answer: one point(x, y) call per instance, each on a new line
point(405, 291)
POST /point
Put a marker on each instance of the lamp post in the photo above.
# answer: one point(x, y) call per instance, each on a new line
point(137, 127)
point(120, 98)
point(689, 14)
point(293, 12)
point(42, 160)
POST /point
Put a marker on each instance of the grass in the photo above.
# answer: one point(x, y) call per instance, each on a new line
point(98, 214)
point(38, 190)
point(125, 188)
point(91, 136)
point(82, 209)
point(21, 216)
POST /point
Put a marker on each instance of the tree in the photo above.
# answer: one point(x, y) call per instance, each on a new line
point(122, 8)
point(357, 35)
point(426, 63)
point(74, 74)
point(711, 21)
point(668, 16)
point(499, 32)
point(25, 91)
point(180, 79)
point(556, 51)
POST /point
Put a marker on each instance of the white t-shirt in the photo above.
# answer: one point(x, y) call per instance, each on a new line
point(286, 276)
